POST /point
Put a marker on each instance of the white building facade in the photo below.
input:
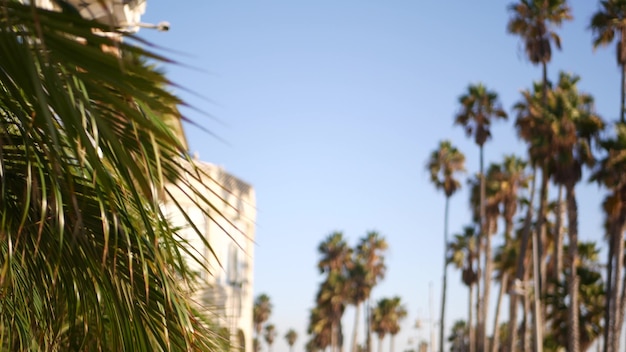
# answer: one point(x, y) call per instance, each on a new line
point(225, 287)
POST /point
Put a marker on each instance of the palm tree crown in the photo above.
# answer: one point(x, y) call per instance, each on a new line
point(291, 336)
point(443, 165)
point(478, 107)
point(533, 20)
point(609, 22)
point(261, 311)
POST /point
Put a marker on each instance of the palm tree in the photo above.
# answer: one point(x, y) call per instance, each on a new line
point(270, 335)
point(505, 181)
point(459, 338)
point(490, 225)
point(291, 336)
point(533, 21)
point(336, 262)
point(478, 107)
point(398, 313)
point(505, 261)
point(386, 317)
point(85, 159)
point(462, 253)
point(444, 164)
point(379, 324)
point(605, 24)
point(591, 302)
point(535, 130)
point(575, 127)
point(609, 173)
point(319, 327)
point(261, 312)
point(369, 268)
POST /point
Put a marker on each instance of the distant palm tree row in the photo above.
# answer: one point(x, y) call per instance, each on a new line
point(262, 310)
point(350, 274)
point(566, 301)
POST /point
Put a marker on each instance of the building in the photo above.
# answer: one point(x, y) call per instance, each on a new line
point(225, 287)
point(123, 14)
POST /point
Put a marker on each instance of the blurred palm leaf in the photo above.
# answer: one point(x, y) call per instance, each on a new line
point(87, 258)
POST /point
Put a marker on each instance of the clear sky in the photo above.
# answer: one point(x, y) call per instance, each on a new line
point(331, 108)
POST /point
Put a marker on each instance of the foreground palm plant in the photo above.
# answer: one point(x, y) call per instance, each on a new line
point(87, 258)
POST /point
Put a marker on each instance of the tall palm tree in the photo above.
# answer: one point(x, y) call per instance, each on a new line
point(336, 262)
point(609, 172)
point(608, 22)
point(505, 260)
point(291, 336)
point(506, 180)
point(478, 107)
point(270, 335)
point(490, 224)
point(462, 254)
point(369, 268)
point(261, 312)
point(533, 128)
point(444, 164)
point(535, 22)
point(575, 127)
point(85, 159)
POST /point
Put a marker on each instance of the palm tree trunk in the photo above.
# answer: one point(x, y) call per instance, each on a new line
point(623, 88)
point(445, 276)
point(540, 232)
point(525, 331)
point(482, 316)
point(380, 344)
point(573, 335)
point(519, 272)
point(618, 281)
point(538, 321)
point(356, 326)
point(609, 302)
point(470, 320)
point(391, 343)
point(620, 316)
point(368, 322)
point(487, 289)
point(478, 301)
point(495, 345)
point(558, 250)
point(618, 245)
point(511, 340)
point(617, 252)
point(333, 336)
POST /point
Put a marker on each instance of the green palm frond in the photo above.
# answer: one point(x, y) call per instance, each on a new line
point(87, 258)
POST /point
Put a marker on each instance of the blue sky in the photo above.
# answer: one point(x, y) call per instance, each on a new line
point(331, 108)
